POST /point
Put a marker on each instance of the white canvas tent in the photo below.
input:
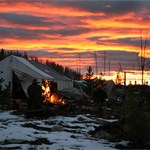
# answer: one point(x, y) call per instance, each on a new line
point(110, 89)
point(24, 70)
point(75, 93)
point(63, 82)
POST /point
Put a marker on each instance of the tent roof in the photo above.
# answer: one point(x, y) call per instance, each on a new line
point(23, 66)
point(111, 89)
point(110, 85)
point(50, 71)
point(75, 93)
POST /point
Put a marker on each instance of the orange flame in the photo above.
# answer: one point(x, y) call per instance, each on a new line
point(51, 97)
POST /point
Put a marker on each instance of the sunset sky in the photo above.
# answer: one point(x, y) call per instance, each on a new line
point(71, 32)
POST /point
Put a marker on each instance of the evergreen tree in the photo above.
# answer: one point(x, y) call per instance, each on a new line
point(89, 81)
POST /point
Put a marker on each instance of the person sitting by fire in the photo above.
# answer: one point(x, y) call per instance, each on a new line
point(35, 95)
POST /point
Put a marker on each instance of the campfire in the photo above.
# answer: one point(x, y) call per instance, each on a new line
point(49, 96)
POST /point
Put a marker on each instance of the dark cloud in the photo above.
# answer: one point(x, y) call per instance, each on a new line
point(120, 7)
point(23, 19)
point(39, 34)
point(121, 55)
point(71, 31)
point(68, 31)
point(129, 41)
point(120, 41)
point(19, 33)
point(43, 53)
point(127, 59)
point(97, 6)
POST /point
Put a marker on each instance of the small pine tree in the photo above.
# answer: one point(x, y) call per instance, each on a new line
point(90, 82)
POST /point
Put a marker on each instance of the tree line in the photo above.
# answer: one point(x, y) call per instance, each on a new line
point(68, 72)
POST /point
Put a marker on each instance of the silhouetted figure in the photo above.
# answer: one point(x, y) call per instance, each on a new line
point(99, 96)
point(35, 95)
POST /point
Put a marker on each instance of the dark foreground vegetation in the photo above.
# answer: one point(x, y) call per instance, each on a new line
point(133, 114)
point(131, 111)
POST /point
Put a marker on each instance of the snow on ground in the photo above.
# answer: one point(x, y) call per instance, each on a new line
point(57, 133)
